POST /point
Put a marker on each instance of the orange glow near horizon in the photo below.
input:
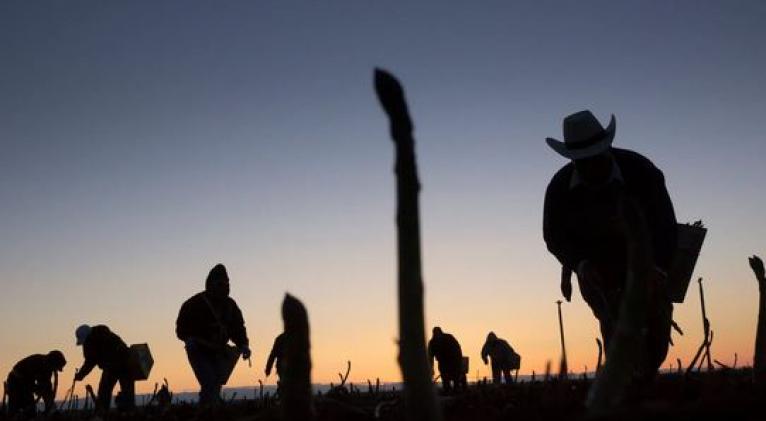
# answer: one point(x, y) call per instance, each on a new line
point(373, 351)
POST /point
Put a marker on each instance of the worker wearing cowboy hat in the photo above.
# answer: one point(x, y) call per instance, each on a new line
point(581, 226)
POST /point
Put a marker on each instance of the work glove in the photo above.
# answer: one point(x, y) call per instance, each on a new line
point(566, 284)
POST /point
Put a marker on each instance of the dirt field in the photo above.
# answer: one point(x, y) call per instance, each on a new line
point(722, 394)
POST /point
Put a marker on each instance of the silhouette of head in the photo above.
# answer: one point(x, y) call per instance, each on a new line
point(437, 331)
point(587, 143)
point(491, 337)
point(56, 360)
point(217, 282)
point(82, 334)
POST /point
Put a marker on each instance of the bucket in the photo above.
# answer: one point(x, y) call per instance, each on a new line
point(690, 239)
point(140, 361)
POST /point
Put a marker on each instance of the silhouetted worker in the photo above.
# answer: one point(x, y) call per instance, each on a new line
point(32, 376)
point(277, 354)
point(103, 348)
point(582, 227)
point(206, 323)
point(446, 349)
point(504, 358)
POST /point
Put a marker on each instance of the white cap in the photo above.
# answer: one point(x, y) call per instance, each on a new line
point(82, 334)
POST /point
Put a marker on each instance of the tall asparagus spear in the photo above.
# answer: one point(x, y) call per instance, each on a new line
point(622, 355)
point(759, 359)
point(296, 380)
point(563, 368)
point(419, 393)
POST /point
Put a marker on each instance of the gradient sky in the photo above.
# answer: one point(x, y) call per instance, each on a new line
point(142, 142)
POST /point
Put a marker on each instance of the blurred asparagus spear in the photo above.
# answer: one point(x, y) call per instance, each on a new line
point(419, 393)
point(295, 387)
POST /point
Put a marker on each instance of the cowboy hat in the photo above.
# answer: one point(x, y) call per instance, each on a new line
point(584, 136)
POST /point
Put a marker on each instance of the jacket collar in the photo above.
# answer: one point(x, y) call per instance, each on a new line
point(615, 175)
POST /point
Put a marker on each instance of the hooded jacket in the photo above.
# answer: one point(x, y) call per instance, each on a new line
point(213, 321)
point(502, 354)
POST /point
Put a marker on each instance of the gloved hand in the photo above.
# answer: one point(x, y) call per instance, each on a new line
point(566, 283)
point(245, 350)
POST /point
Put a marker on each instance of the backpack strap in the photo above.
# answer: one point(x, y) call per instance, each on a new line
point(217, 317)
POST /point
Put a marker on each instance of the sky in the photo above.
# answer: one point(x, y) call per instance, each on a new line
point(143, 142)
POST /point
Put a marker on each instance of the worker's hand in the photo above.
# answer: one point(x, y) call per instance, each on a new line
point(267, 371)
point(78, 376)
point(757, 265)
point(245, 350)
point(566, 284)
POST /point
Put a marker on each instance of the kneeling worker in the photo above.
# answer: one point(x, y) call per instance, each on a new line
point(32, 376)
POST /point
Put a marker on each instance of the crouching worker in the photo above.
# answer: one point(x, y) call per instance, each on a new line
point(103, 348)
point(504, 358)
point(31, 377)
point(206, 323)
point(446, 349)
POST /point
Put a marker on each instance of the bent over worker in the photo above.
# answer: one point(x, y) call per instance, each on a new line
point(504, 358)
point(103, 348)
point(583, 228)
point(31, 377)
point(446, 350)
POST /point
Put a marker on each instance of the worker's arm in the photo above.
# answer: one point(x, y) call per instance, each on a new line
point(86, 368)
point(183, 328)
point(237, 331)
point(270, 360)
point(485, 352)
point(554, 229)
point(431, 354)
